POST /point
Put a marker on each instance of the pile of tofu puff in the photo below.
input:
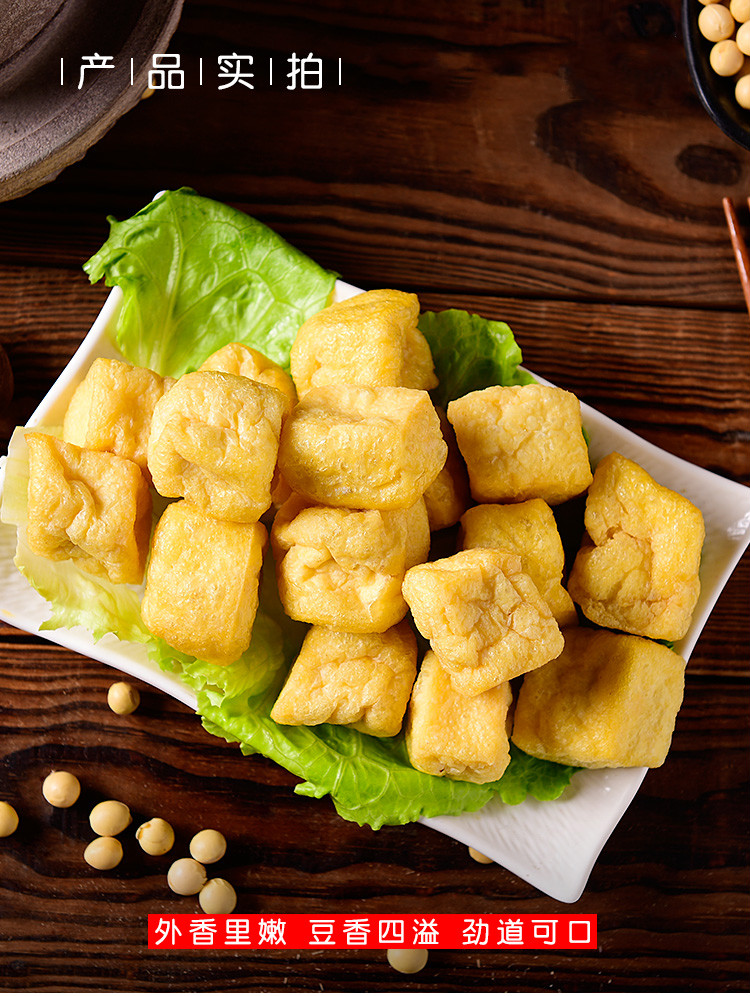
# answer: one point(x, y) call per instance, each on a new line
point(352, 467)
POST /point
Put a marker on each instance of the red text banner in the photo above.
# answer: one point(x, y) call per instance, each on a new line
point(299, 931)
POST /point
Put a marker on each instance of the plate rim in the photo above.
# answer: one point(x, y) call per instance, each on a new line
point(609, 794)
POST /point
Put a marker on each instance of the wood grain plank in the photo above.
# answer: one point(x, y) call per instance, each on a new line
point(668, 887)
point(678, 377)
point(44, 315)
point(543, 163)
point(495, 153)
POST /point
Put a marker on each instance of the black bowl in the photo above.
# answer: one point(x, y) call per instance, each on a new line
point(716, 92)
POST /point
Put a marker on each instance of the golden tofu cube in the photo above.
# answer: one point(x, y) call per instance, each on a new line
point(638, 571)
point(360, 447)
point(608, 701)
point(202, 583)
point(343, 568)
point(464, 737)
point(90, 507)
point(371, 340)
point(448, 496)
point(244, 361)
point(528, 529)
point(112, 407)
point(522, 442)
point(362, 680)
point(214, 440)
point(483, 616)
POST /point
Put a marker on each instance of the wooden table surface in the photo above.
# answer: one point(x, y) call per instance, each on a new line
point(542, 162)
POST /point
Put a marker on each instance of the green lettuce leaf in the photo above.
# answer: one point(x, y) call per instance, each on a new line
point(370, 780)
point(526, 775)
point(470, 353)
point(74, 596)
point(196, 275)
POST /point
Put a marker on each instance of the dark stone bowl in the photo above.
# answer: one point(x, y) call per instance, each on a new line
point(46, 124)
point(716, 92)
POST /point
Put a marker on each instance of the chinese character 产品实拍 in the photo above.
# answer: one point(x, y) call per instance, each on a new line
point(94, 61)
point(307, 70)
point(166, 73)
point(231, 69)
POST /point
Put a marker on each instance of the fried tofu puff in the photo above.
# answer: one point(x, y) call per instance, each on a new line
point(528, 529)
point(483, 616)
point(244, 361)
point(448, 496)
point(371, 340)
point(522, 442)
point(638, 571)
point(360, 447)
point(609, 700)
point(357, 680)
point(112, 407)
point(90, 507)
point(457, 736)
point(214, 441)
point(342, 568)
point(202, 583)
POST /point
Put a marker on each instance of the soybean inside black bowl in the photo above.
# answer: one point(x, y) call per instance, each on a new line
point(716, 92)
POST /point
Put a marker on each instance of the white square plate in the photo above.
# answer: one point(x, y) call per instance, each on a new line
point(551, 845)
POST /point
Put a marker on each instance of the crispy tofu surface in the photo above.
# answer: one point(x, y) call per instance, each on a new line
point(90, 507)
point(359, 447)
point(244, 361)
point(202, 583)
point(608, 701)
point(343, 568)
point(454, 735)
point(483, 616)
point(522, 442)
point(638, 571)
point(357, 680)
point(370, 340)
point(214, 441)
point(528, 529)
point(112, 407)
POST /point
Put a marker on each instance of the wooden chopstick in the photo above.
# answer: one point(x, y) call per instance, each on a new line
point(740, 249)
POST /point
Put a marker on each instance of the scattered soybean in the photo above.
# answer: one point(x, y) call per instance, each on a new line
point(61, 789)
point(208, 846)
point(156, 836)
point(123, 698)
point(481, 858)
point(8, 819)
point(407, 960)
point(217, 897)
point(103, 853)
point(110, 818)
point(186, 877)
